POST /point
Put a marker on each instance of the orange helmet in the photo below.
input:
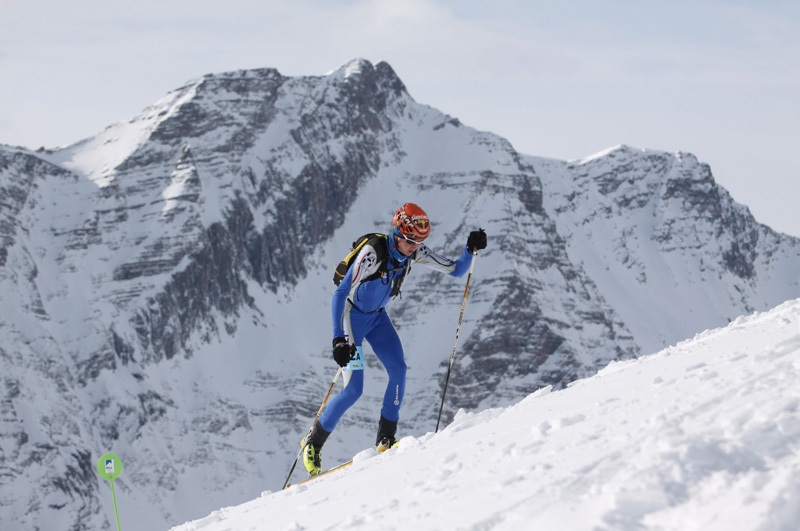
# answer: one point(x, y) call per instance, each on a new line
point(411, 223)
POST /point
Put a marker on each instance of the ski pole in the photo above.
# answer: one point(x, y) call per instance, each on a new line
point(319, 413)
point(455, 343)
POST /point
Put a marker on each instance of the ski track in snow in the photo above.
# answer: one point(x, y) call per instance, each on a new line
point(702, 435)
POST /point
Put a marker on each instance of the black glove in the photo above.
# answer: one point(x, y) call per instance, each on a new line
point(476, 241)
point(342, 351)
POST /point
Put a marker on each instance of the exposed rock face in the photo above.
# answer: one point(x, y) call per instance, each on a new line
point(667, 247)
point(165, 284)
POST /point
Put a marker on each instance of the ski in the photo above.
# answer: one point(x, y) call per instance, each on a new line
point(380, 449)
point(330, 470)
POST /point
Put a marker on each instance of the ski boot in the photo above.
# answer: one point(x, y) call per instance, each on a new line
point(386, 432)
point(312, 449)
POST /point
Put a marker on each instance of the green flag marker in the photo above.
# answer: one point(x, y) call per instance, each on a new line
point(110, 467)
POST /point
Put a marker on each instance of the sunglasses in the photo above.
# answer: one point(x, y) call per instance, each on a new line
point(408, 240)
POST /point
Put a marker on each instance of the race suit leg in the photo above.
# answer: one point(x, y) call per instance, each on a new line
point(356, 326)
point(385, 342)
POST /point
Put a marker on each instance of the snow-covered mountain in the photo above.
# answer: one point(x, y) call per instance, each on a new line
point(667, 247)
point(702, 436)
point(165, 285)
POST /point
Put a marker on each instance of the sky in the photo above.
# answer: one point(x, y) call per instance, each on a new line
point(720, 79)
point(702, 436)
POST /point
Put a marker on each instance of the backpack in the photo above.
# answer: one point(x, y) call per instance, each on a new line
point(378, 242)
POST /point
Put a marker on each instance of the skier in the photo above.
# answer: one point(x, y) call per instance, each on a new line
point(358, 311)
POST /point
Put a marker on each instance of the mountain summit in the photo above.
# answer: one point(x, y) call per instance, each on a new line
point(165, 284)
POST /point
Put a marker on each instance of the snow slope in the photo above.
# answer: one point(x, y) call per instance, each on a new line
point(702, 435)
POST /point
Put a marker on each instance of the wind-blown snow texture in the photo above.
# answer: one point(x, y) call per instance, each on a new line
point(165, 285)
point(704, 435)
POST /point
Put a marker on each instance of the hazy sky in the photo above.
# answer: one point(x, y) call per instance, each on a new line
point(558, 79)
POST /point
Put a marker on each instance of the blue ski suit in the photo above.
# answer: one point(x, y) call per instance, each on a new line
point(358, 312)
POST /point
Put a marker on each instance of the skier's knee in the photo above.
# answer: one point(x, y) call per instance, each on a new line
point(398, 370)
point(352, 392)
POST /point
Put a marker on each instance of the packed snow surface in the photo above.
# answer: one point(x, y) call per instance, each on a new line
point(703, 435)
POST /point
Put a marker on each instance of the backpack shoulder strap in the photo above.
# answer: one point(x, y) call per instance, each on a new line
point(377, 241)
